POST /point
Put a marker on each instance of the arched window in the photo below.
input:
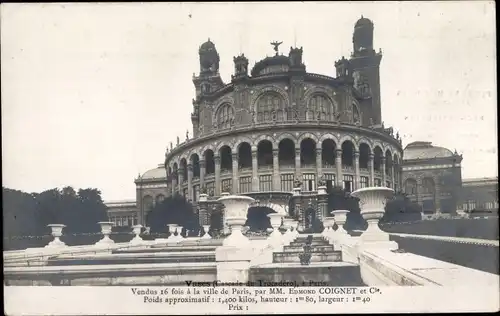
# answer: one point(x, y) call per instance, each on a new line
point(224, 116)
point(428, 186)
point(147, 202)
point(320, 107)
point(411, 186)
point(266, 105)
point(356, 118)
point(160, 198)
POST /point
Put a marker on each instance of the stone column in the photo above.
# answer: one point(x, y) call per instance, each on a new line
point(338, 165)
point(322, 203)
point(384, 176)
point(393, 176)
point(297, 162)
point(371, 167)
point(319, 163)
point(181, 179)
point(202, 173)
point(190, 181)
point(174, 181)
point(255, 171)
point(236, 184)
point(357, 178)
point(276, 170)
point(217, 189)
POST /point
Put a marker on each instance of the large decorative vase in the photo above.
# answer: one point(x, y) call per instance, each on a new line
point(56, 230)
point(372, 204)
point(206, 235)
point(328, 224)
point(340, 218)
point(136, 229)
point(179, 237)
point(172, 229)
point(235, 213)
point(275, 238)
point(106, 231)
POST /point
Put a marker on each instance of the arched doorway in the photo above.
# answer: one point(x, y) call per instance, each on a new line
point(257, 219)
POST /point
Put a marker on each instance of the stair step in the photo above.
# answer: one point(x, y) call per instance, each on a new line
point(329, 256)
point(296, 243)
point(80, 261)
point(315, 274)
point(314, 248)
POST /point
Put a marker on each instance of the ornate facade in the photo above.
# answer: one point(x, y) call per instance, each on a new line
point(276, 128)
point(432, 177)
point(277, 123)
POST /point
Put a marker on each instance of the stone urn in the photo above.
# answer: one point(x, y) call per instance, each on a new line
point(172, 229)
point(372, 204)
point(235, 215)
point(106, 231)
point(328, 222)
point(340, 218)
point(206, 235)
point(56, 230)
point(179, 237)
point(136, 229)
point(275, 238)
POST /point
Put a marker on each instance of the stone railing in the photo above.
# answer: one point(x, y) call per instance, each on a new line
point(112, 274)
point(381, 262)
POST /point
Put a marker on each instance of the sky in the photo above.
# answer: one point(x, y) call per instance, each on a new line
point(92, 94)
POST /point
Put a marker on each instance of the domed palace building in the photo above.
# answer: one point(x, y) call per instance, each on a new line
point(276, 132)
point(277, 125)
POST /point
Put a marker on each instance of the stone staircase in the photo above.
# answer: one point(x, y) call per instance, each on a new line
point(321, 251)
point(326, 267)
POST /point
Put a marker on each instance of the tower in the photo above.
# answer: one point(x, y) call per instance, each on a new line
point(240, 67)
point(365, 65)
point(206, 82)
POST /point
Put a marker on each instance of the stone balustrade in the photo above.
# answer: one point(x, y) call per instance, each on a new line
point(113, 274)
point(380, 261)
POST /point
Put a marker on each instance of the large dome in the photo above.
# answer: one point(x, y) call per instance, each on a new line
point(207, 45)
point(425, 150)
point(156, 173)
point(277, 61)
point(363, 22)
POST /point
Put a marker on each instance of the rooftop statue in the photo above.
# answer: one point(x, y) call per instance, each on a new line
point(178, 141)
point(187, 135)
point(276, 45)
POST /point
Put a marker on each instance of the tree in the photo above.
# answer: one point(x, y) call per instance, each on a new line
point(401, 209)
point(172, 210)
point(19, 214)
point(340, 199)
point(29, 214)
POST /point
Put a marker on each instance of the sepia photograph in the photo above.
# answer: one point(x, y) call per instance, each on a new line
point(249, 157)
